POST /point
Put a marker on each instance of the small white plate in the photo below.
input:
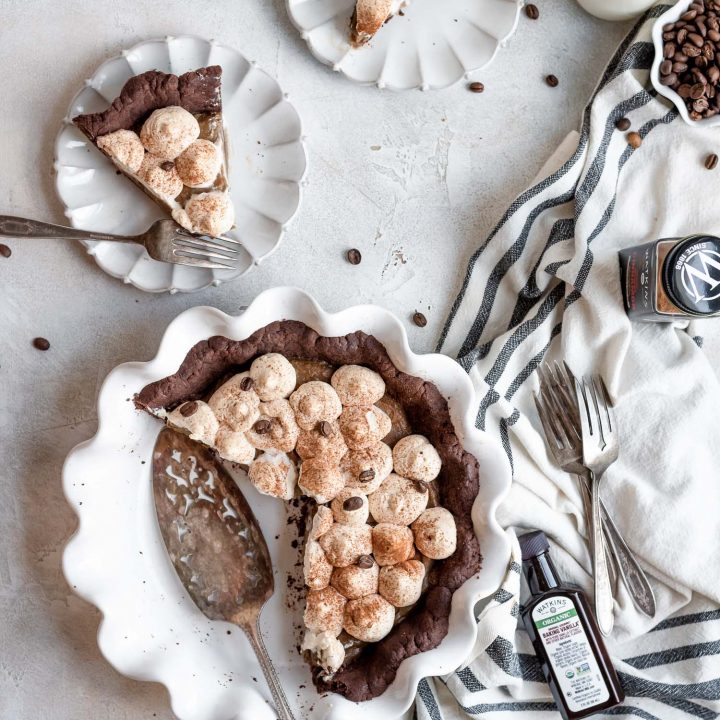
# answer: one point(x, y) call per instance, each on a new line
point(433, 45)
point(151, 629)
point(266, 160)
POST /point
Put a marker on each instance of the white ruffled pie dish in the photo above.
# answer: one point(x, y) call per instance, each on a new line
point(431, 46)
point(266, 163)
point(151, 629)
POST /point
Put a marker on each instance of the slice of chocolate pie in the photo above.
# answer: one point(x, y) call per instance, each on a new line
point(370, 15)
point(165, 133)
point(374, 454)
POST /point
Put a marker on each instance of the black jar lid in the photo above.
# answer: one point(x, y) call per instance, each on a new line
point(691, 275)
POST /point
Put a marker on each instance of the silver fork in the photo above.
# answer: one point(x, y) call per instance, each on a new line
point(164, 240)
point(566, 445)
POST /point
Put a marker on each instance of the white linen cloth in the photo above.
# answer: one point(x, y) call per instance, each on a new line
point(546, 285)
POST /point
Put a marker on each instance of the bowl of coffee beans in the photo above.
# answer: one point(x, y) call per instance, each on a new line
point(686, 68)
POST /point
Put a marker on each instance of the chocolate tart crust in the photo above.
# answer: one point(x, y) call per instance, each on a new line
point(197, 91)
point(368, 675)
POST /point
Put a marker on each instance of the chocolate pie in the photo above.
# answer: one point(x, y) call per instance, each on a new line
point(370, 15)
point(374, 452)
point(165, 133)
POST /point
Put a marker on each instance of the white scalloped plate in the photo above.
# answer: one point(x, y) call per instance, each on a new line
point(433, 45)
point(267, 162)
point(151, 630)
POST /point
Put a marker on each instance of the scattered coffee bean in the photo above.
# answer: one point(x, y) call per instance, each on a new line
point(476, 87)
point(5, 251)
point(365, 562)
point(532, 11)
point(325, 429)
point(247, 383)
point(552, 81)
point(634, 140)
point(353, 503)
point(419, 319)
point(711, 161)
point(188, 408)
point(623, 124)
point(354, 257)
point(262, 427)
point(41, 343)
point(366, 475)
point(167, 165)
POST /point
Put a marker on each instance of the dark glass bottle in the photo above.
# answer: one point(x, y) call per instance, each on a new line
point(566, 637)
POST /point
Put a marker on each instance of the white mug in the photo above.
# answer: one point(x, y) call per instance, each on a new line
point(616, 9)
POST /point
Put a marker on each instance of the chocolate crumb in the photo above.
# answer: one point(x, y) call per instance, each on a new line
point(40, 343)
point(420, 486)
point(189, 408)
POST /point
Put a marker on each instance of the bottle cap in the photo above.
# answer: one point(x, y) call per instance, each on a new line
point(533, 544)
point(691, 275)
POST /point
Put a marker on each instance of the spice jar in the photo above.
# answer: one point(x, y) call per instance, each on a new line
point(672, 278)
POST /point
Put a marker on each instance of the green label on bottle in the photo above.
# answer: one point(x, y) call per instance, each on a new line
point(540, 624)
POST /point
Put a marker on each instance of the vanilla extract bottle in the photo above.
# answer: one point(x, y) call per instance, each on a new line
point(566, 637)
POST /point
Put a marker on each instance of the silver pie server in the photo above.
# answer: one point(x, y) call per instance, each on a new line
point(214, 543)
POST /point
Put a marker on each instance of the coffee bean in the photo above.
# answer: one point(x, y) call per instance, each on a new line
point(419, 319)
point(670, 80)
point(365, 562)
point(262, 427)
point(247, 383)
point(40, 343)
point(697, 91)
point(476, 87)
point(552, 81)
point(354, 257)
point(666, 67)
point(325, 429)
point(532, 11)
point(167, 165)
point(188, 408)
point(5, 251)
point(682, 36)
point(701, 105)
point(679, 67)
point(711, 161)
point(623, 124)
point(696, 39)
point(634, 140)
point(366, 475)
point(669, 50)
point(353, 503)
point(684, 90)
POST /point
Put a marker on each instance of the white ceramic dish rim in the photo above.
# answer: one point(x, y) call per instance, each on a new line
point(67, 120)
point(671, 15)
point(291, 303)
point(396, 88)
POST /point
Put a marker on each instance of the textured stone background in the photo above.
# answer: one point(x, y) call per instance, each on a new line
point(449, 163)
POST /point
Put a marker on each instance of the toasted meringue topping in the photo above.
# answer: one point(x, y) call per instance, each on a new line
point(354, 581)
point(321, 523)
point(365, 470)
point(199, 164)
point(316, 568)
point(321, 479)
point(362, 426)
point(326, 650)
point(358, 385)
point(168, 131)
point(274, 473)
point(235, 407)
point(344, 544)
point(275, 428)
point(234, 446)
point(208, 213)
point(398, 500)
point(323, 440)
point(124, 147)
point(401, 584)
point(369, 618)
point(198, 419)
point(324, 610)
point(392, 543)
point(315, 402)
point(350, 507)
point(274, 376)
point(415, 458)
point(160, 176)
point(435, 533)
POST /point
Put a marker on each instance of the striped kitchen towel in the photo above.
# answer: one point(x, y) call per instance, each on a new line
point(545, 285)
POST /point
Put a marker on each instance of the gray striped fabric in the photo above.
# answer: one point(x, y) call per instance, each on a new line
point(521, 286)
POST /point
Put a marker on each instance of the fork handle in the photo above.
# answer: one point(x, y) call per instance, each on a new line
point(603, 591)
point(17, 227)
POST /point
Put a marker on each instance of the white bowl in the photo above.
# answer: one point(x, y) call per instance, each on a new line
point(151, 630)
point(670, 16)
